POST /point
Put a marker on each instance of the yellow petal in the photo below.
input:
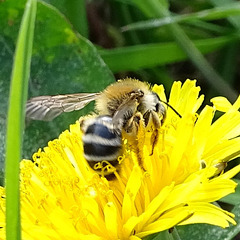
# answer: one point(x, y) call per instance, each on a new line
point(221, 104)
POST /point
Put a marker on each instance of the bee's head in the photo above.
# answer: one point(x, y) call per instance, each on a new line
point(159, 107)
point(149, 104)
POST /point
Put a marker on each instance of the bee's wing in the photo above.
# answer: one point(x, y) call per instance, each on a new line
point(47, 108)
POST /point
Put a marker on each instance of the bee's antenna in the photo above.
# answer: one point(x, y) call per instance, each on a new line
point(172, 108)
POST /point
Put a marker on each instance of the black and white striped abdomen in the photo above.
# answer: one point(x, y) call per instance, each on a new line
point(101, 141)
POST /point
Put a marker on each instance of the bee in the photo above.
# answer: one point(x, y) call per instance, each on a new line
point(102, 144)
point(120, 100)
point(119, 107)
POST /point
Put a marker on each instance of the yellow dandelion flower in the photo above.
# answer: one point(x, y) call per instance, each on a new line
point(63, 198)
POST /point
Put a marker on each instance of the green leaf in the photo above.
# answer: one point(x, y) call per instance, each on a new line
point(171, 234)
point(62, 62)
point(17, 99)
point(164, 235)
point(233, 198)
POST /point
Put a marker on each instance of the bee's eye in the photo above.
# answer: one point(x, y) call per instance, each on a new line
point(157, 107)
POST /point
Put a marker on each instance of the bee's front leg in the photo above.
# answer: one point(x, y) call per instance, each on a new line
point(134, 131)
point(153, 122)
point(131, 126)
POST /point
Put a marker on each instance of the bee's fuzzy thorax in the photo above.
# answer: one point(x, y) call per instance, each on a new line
point(117, 93)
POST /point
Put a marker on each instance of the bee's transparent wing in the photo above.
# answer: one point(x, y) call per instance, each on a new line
point(47, 108)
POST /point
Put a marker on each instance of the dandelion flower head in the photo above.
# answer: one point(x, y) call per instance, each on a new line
point(63, 198)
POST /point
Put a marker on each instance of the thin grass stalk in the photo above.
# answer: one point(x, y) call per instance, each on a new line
point(15, 122)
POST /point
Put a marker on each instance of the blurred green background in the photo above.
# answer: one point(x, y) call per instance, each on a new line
point(82, 46)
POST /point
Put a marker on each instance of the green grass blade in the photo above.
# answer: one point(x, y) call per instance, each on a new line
point(227, 63)
point(17, 99)
point(210, 14)
point(151, 55)
point(155, 9)
point(76, 12)
point(212, 77)
point(234, 20)
point(210, 27)
point(127, 17)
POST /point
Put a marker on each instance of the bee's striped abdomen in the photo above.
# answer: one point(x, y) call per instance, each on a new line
point(102, 144)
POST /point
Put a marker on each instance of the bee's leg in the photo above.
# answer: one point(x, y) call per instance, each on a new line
point(132, 130)
point(220, 168)
point(132, 124)
point(154, 140)
point(153, 123)
point(140, 133)
point(81, 122)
